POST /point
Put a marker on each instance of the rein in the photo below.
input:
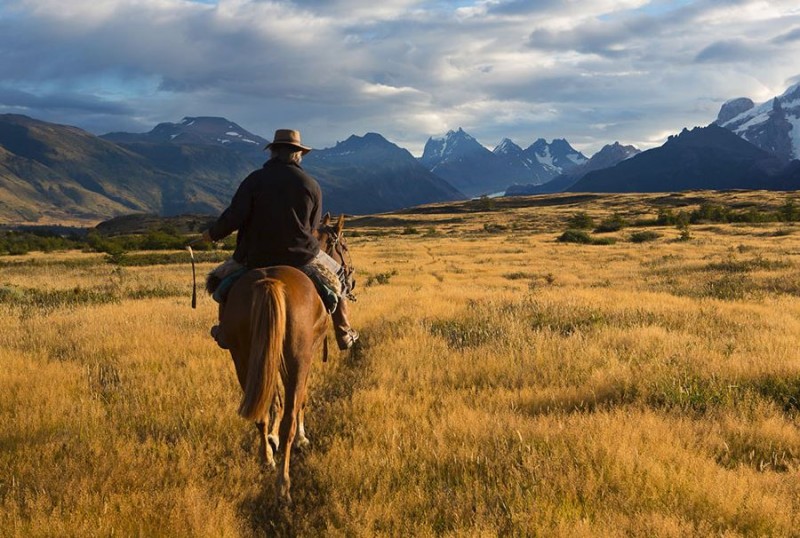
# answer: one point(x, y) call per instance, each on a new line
point(337, 246)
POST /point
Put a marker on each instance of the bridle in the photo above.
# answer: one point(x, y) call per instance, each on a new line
point(337, 248)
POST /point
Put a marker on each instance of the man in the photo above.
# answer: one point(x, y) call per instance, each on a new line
point(276, 210)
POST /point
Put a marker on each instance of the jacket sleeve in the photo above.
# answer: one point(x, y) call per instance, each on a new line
point(235, 214)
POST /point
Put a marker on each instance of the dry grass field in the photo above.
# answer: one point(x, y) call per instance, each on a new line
point(507, 385)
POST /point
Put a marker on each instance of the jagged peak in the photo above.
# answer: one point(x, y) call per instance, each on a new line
point(792, 92)
point(368, 138)
point(507, 145)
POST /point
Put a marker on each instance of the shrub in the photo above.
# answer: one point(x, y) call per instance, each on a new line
point(579, 236)
point(642, 237)
point(484, 203)
point(575, 236)
point(580, 221)
point(683, 228)
point(789, 212)
point(494, 228)
point(614, 223)
point(380, 278)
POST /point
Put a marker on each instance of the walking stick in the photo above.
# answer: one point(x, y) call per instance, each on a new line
point(194, 273)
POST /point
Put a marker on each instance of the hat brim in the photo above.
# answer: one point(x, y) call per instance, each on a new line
point(304, 149)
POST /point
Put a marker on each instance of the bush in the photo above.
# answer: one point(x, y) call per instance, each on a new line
point(614, 223)
point(494, 228)
point(579, 236)
point(580, 221)
point(642, 237)
point(575, 236)
point(380, 278)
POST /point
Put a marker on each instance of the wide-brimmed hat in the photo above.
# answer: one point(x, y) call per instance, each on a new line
point(288, 137)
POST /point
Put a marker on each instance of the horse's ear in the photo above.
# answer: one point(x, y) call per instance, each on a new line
point(326, 219)
point(340, 224)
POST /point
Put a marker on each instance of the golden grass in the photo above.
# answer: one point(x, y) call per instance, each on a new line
point(507, 384)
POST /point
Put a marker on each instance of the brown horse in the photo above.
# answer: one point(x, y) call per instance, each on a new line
point(274, 323)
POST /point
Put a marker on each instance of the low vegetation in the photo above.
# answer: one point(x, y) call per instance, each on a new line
point(507, 384)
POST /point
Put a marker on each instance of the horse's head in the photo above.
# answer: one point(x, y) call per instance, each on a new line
point(331, 240)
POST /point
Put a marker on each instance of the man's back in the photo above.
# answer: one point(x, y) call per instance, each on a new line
point(276, 209)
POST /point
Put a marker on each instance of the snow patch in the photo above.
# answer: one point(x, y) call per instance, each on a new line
point(546, 158)
point(795, 136)
point(249, 141)
point(755, 120)
point(233, 133)
point(172, 137)
point(577, 159)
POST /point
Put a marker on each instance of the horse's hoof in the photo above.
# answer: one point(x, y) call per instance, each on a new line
point(302, 443)
point(274, 443)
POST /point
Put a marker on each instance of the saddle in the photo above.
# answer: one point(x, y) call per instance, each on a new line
point(220, 280)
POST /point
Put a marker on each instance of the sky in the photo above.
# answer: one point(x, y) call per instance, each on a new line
point(593, 71)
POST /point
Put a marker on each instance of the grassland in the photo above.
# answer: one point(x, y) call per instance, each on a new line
point(507, 385)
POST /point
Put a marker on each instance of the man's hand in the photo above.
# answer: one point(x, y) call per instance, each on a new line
point(207, 237)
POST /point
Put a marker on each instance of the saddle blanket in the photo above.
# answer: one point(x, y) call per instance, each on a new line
point(324, 272)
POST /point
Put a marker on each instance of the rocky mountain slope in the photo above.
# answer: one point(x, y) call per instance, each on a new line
point(369, 174)
point(607, 157)
point(55, 173)
point(773, 126)
point(704, 158)
point(472, 168)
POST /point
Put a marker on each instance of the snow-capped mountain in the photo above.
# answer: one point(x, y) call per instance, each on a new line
point(773, 126)
point(369, 174)
point(557, 156)
point(610, 155)
point(466, 164)
point(527, 168)
point(202, 130)
point(470, 167)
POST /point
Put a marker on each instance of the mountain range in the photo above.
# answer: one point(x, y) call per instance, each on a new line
point(607, 157)
point(57, 173)
point(474, 170)
point(748, 146)
point(709, 157)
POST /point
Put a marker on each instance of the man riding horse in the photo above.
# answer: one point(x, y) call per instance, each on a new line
point(276, 211)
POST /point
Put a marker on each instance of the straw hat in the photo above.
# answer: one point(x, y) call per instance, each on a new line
point(288, 137)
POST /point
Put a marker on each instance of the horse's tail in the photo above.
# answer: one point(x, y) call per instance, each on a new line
point(267, 332)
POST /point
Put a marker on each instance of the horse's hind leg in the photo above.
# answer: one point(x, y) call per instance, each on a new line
point(266, 449)
point(301, 441)
point(275, 413)
point(295, 387)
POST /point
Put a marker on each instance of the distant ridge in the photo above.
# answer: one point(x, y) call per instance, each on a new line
point(607, 157)
point(704, 158)
point(369, 174)
point(463, 161)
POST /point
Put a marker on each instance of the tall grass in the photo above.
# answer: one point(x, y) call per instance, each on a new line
point(507, 384)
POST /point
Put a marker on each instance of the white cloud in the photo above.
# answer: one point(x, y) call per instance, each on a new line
point(591, 71)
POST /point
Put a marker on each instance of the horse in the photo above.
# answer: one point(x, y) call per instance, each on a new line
point(274, 323)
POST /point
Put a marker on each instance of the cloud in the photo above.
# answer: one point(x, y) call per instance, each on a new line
point(593, 71)
point(11, 98)
point(788, 37)
point(732, 50)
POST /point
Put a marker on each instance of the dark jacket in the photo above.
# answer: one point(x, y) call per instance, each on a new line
point(276, 210)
